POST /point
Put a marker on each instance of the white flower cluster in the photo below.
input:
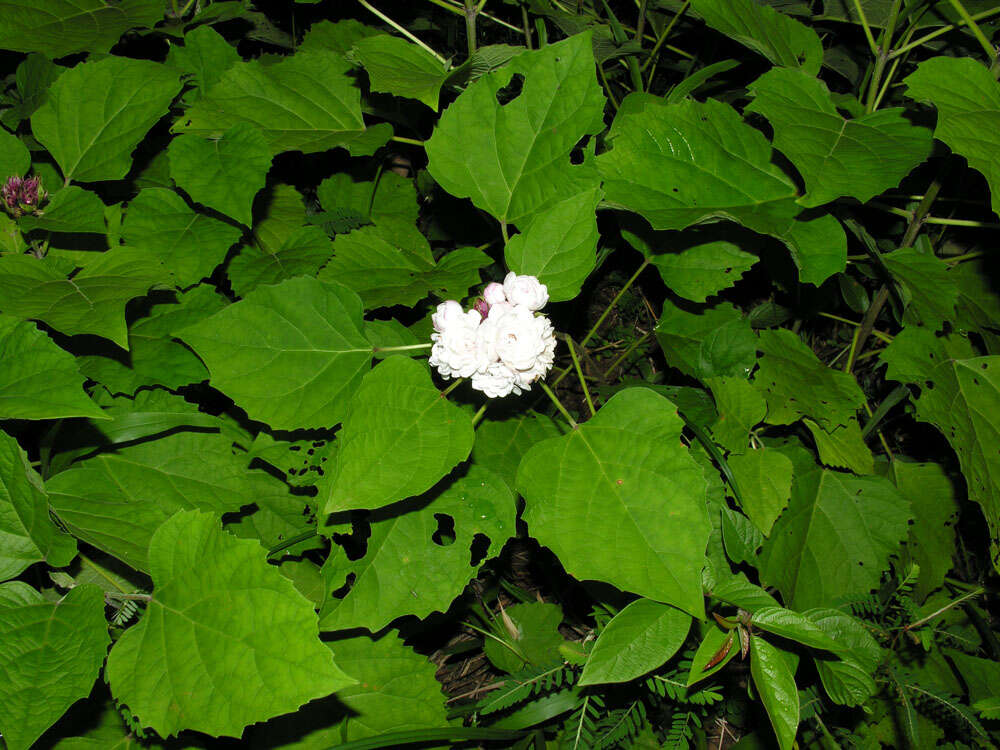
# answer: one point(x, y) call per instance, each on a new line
point(501, 344)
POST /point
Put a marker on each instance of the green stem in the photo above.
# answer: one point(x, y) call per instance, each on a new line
point(452, 387)
point(945, 608)
point(411, 141)
point(470, 26)
point(526, 22)
point(621, 358)
point(943, 30)
point(579, 374)
point(640, 22)
point(614, 302)
point(607, 86)
point(407, 348)
point(477, 417)
point(460, 11)
point(864, 24)
point(558, 404)
point(877, 334)
point(989, 49)
point(650, 61)
point(434, 736)
point(365, 4)
point(292, 541)
point(967, 256)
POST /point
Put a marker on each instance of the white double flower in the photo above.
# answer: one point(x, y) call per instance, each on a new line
point(505, 351)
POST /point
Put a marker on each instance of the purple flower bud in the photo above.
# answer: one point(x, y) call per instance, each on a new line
point(12, 191)
point(31, 192)
point(482, 307)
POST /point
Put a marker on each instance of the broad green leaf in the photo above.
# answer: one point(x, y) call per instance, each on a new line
point(519, 162)
point(935, 511)
point(38, 380)
point(278, 214)
point(61, 27)
point(302, 462)
point(204, 57)
point(116, 501)
point(352, 204)
point(740, 407)
point(842, 447)
point(688, 162)
point(224, 172)
point(782, 40)
point(92, 301)
point(858, 158)
point(978, 302)
point(834, 539)
point(289, 354)
point(967, 98)
point(306, 102)
point(765, 481)
point(637, 640)
point(712, 342)
point(775, 685)
point(337, 37)
point(301, 254)
point(385, 334)
point(154, 357)
point(961, 397)
point(795, 627)
point(50, 657)
point(72, 209)
point(501, 443)
point(409, 568)
point(188, 243)
point(795, 383)
point(718, 646)
point(739, 592)
point(14, 156)
point(916, 351)
point(849, 675)
point(27, 534)
point(223, 628)
point(399, 67)
point(530, 637)
point(399, 438)
point(396, 692)
point(32, 80)
point(92, 136)
point(559, 245)
point(740, 537)
point(703, 269)
point(932, 290)
point(622, 480)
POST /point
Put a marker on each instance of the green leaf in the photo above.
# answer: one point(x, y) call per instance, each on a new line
point(116, 501)
point(530, 635)
point(92, 301)
point(278, 214)
point(204, 57)
point(223, 628)
point(38, 380)
point(795, 383)
point(718, 646)
point(519, 162)
point(500, 444)
point(795, 627)
point(622, 481)
point(765, 481)
point(559, 245)
point(290, 354)
point(61, 27)
point(154, 357)
point(740, 407)
point(389, 333)
point(843, 446)
point(399, 438)
point(337, 37)
point(223, 173)
point(306, 102)
point(32, 80)
point(916, 351)
point(188, 243)
point(712, 342)
point(849, 678)
point(932, 290)
point(72, 209)
point(782, 40)
point(935, 511)
point(967, 98)
point(702, 268)
point(27, 534)
point(391, 263)
point(858, 158)
point(961, 398)
point(688, 162)
point(393, 197)
point(14, 156)
point(740, 537)
point(301, 254)
point(774, 681)
point(92, 136)
point(834, 539)
point(409, 568)
point(401, 68)
point(50, 657)
point(637, 640)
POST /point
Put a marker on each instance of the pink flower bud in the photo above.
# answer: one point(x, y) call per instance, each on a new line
point(12, 191)
point(482, 307)
point(31, 192)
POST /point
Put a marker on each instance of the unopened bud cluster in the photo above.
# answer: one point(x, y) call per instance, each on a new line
point(504, 344)
point(22, 195)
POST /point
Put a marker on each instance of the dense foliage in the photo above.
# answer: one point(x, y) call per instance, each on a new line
point(755, 503)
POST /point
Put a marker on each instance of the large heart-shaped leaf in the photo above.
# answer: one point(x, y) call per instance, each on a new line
point(290, 354)
point(622, 481)
point(223, 628)
point(399, 439)
point(97, 112)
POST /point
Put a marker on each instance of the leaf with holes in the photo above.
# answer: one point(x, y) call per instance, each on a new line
point(622, 480)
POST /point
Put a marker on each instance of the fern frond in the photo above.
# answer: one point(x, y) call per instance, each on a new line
point(620, 725)
point(681, 732)
point(942, 707)
point(861, 605)
point(671, 688)
point(581, 727)
point(125, 610)
point(521, 686)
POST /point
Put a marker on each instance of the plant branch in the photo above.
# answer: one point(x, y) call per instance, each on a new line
point(558, 404)
point(989, 49)
point(365, 4)
point(408, 347)
point(943, 30)
point(579, 374)
point(614, 302)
